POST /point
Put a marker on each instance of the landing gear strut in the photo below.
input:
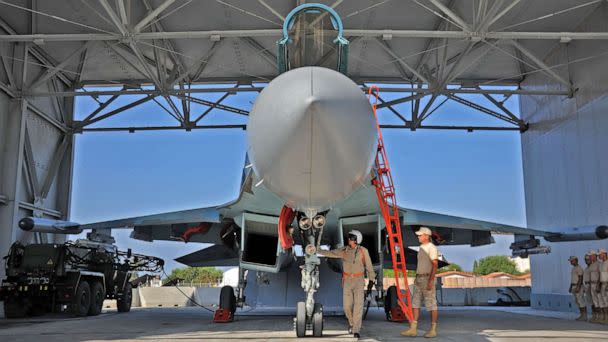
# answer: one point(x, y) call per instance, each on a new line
point(309, 315)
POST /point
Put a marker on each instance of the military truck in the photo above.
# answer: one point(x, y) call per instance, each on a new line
point(73, 277)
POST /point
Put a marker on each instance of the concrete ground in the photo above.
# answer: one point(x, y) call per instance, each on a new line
point(194, 324)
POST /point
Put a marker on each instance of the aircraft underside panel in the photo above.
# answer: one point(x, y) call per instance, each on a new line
point(261, 250)
point(283, 290)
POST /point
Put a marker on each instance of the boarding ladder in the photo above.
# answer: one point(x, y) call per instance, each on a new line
point(385, 190)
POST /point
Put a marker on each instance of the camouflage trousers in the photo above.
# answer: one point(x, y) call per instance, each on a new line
point(596, 297)
point(422, 294)
point(579, 297)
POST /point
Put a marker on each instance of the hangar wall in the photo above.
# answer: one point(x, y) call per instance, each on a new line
point(36, 145)
point(565, 158)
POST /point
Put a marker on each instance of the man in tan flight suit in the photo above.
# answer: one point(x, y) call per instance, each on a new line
point(424, 289)
point(576, 287)
point(603, 291)
point(355, 261)
point(594, 282)
point(587, 285)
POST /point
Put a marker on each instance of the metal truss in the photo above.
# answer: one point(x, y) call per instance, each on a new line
point(168, 82)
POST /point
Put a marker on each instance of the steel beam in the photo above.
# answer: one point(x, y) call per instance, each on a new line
point(483, 109)
point(272, 10)
point(50, 72)
point(258, 89)
point(268, 56)
point(54, 167)
point(276, 33)
point(160, 128)
point(115, 111)
point(215, 105)
point(460, 128)
point(447, 11)
point(36, 208)
point(491, 21)
point(148, 18)
point(545, 68)
point(29, 166)
point(400, 60)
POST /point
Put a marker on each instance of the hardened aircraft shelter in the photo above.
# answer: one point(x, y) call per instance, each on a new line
point(189, 58)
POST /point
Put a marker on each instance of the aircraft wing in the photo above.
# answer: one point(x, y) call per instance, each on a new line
point(416, 217)
point(206, 225)
point(459, 230)
point(169, 218)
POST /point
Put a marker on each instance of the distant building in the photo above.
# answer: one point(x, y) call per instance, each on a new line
point(231, 277)
point(454, 274)
point(522, 264)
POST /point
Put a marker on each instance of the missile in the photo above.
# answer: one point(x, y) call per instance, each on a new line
point(43, 225)
point(579, 234)
point(312, 138)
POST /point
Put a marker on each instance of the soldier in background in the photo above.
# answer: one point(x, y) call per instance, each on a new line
point(603, 287)
point(576, 287)
point(586, 279)
point(594, 282)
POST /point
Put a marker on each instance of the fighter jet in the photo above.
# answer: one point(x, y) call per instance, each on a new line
point(306, 181)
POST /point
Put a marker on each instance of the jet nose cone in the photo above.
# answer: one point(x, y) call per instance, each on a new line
point(312, 137)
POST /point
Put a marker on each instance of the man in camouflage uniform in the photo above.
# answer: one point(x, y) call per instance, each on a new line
point(424, 289)
point(594, 288)
point(587, 285)
point(355, 261)
point(576, 287)
point(603, 286)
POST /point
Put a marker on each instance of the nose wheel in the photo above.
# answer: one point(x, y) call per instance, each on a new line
point(304, 323)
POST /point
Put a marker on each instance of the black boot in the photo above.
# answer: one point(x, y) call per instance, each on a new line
point(356, 335)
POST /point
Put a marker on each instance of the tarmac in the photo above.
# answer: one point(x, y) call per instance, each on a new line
point(194, 324)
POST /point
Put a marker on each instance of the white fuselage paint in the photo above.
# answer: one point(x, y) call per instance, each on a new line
point(312, 137)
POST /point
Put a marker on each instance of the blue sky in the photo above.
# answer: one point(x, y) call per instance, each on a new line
point(116, 174)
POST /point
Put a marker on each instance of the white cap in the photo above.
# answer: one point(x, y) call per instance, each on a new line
point(424, 230)
point(602, 251)
point(573, 257)
point(592, 252)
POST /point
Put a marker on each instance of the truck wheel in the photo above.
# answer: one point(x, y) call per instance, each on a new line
point(123, 303)
point(228, 299)
point(14, 308)
point(98, 294)
point(82, 300)
point(39, 307)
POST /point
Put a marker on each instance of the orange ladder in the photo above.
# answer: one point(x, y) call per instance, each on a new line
point(385, 190)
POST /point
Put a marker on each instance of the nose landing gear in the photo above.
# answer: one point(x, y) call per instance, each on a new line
point(309, 315)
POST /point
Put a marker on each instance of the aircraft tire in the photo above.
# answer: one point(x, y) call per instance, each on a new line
point(228, 299)
point(301, 319)
point(390, 301)
point(317, 320)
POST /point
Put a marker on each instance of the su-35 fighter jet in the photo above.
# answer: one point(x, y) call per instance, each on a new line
point(307, 181)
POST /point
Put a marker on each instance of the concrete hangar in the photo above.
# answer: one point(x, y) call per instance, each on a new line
point(552, 54)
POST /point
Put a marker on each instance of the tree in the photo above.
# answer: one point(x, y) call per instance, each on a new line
point(196, 275)
point(494, 263)
point(450, 267)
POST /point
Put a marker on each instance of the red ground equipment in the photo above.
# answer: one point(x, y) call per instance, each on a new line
point(385, 190)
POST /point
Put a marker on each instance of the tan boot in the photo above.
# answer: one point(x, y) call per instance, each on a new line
point(583, 316)
point(432, 332)
point(412, 331)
